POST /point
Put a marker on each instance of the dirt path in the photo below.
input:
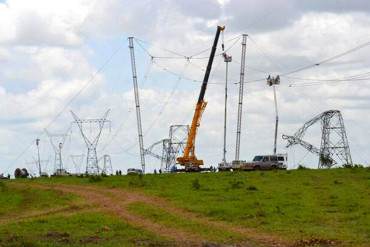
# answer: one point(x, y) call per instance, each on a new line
point(62, 211)
point(115, 201)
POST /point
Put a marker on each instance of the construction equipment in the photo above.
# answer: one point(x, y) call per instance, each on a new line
point(189, 159)
point(334, 144)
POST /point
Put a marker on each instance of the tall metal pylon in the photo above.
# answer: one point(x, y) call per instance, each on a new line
point(241, 94)
point(273, 81)
point(227, 60)
point(92, 166)
point(137, 103)
point(57, 142)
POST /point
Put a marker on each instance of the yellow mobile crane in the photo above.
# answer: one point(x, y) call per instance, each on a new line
point(189, 160)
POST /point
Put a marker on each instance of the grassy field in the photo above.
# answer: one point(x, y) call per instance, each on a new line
point(297, 205)
point(38, 217)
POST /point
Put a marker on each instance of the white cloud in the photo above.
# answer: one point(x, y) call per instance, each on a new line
point(47, 54)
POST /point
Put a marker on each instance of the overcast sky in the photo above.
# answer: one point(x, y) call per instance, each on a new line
point(51, 51)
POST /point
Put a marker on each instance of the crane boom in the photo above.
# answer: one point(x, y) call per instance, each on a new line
point(189, 159)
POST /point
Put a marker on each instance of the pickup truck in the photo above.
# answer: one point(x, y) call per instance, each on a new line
point(262, 162)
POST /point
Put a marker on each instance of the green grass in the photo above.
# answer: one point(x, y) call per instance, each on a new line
point(299, 204)
point(17, 199)
point(83, 229)
point(164, 218)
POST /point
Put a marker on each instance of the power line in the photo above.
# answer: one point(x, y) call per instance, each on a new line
point(83, 88)
point(325, 82)
point(182, 56)
point(327, 59)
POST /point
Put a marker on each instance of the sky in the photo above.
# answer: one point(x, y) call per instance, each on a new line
point(73, 55)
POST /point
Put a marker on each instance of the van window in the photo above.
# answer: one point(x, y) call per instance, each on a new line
point(258, 158)
point(281, 158)
point(273, 158)
point(266, 158)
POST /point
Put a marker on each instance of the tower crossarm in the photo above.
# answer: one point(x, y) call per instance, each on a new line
point(292, 140)
point(149, 150)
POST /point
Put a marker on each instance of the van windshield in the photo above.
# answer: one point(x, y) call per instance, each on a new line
point(258, 158)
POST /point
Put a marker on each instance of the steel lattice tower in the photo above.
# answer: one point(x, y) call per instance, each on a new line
point(137, 103)
point(107, 164)
point(57, 142)
point(77, 160)
point(241, 94)
point(334, 143)
point(171, 147)
point(92, 166)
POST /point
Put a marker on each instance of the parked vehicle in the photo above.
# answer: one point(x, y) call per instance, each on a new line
point(132, 171)
point(263, 162)
point(61, 172)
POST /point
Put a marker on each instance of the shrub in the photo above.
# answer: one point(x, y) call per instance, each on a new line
point(260, 213)
point(252, 188)
point(195, 184)
point(301, 167)
point(94, 179)
point(2, 186)
point(236, 184)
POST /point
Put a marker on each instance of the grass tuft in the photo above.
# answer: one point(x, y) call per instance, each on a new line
point(252, 188)
point(195, 184)
point(236, 184)
point(95, 179)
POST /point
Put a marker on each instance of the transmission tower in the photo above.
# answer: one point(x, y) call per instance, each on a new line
point(162, 155)
point(38, 162)
point(57, 142)
point(77, 160)
point(334, 147)
point(107, 164)
point(137, 103)
point(171, 147)
point(178, 135)
point(91, 141)
point(241, 93)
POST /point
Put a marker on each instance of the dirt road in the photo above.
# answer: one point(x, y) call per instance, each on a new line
point(116, 201)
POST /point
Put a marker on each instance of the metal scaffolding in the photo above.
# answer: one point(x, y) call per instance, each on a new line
point(334, 147)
